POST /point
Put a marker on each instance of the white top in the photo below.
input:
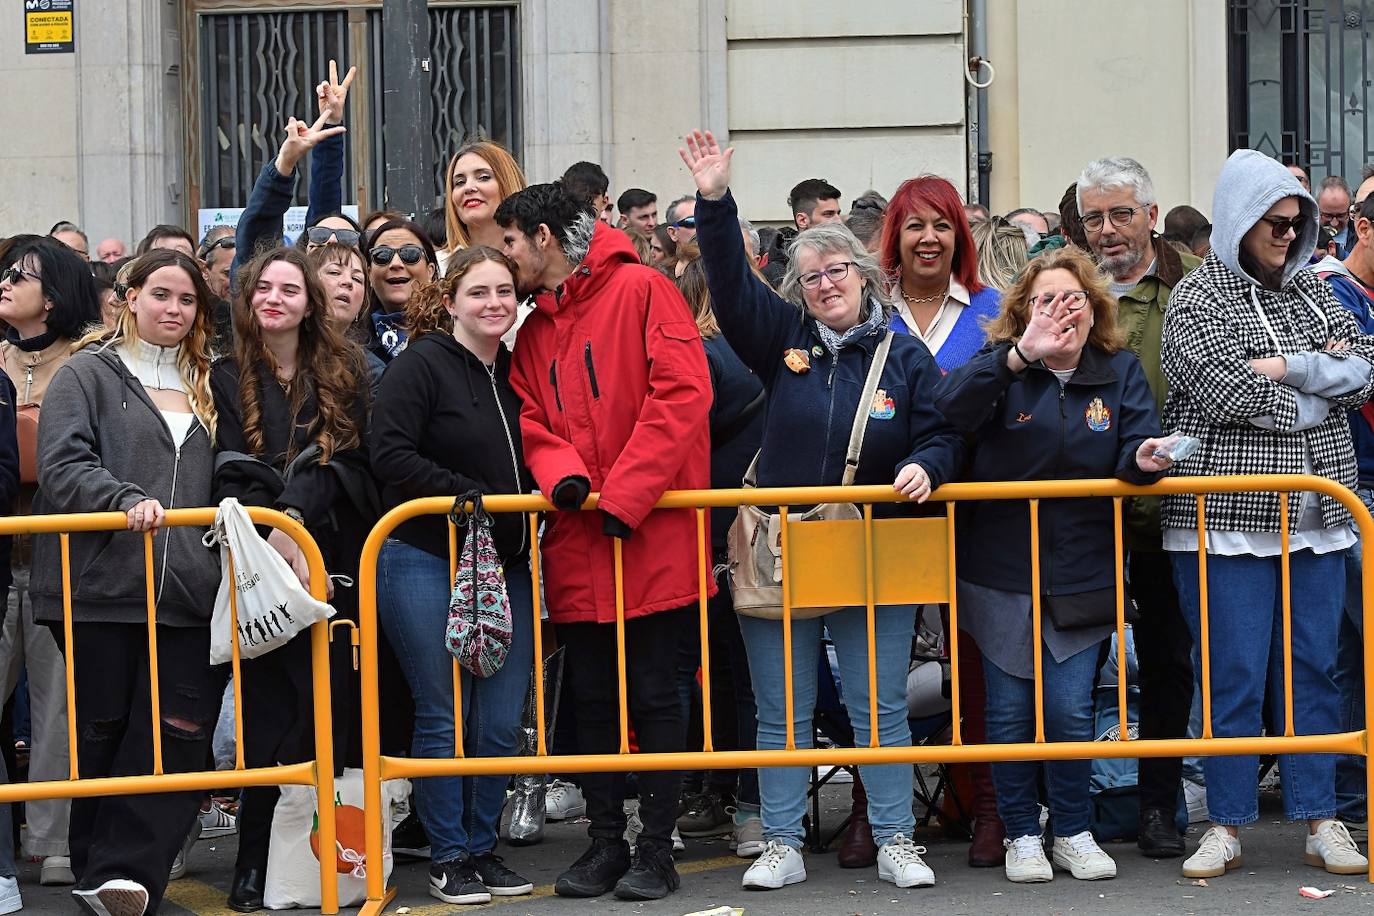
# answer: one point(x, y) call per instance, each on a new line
point(946, 317)
point(178, 423)
point(154, 366)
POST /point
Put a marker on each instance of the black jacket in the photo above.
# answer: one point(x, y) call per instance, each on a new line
point(1028, 427)
point(736, 426)
point(442, 426)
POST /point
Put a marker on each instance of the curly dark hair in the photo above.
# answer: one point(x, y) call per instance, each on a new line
point(544, 204)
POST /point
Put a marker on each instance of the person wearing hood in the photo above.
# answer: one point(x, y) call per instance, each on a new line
point(1262, 363)
point(445, 424)
point(812, 351)
point(128, 426)
point(616, 393)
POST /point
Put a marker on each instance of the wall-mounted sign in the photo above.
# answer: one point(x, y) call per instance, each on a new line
point(49, 26)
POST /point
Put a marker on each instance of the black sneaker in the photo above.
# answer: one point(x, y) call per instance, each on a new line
point(408, 838)
point(597, 871)
point(1158, 836)
point(652, 876)
point(704, 816)
point(500, 880)
point(457, 882)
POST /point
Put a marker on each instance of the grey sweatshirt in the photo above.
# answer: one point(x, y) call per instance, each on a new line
point(103, 446)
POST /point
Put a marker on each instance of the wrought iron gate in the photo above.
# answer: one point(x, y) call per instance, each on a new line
point(1300, 74)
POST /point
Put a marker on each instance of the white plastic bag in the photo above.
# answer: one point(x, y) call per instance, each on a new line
point(273, 606)
point(293, 865)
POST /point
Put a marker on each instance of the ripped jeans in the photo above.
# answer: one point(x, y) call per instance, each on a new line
point(139, 836)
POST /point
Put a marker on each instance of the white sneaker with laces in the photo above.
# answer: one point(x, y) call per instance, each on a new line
point(900, 862)
point(116, 897)
point(1026, 862)
point(10, 901)
point(777, 866)
point(1217, 853)
point(179, 863)
point(563, 801)
point(1082, 857)
point(747, 841)
point(1333, 849)
point(216, 823)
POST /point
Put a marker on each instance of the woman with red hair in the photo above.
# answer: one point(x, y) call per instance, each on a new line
point(929, 252)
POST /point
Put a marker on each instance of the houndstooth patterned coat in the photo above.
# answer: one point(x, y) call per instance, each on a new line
point(1216, 322)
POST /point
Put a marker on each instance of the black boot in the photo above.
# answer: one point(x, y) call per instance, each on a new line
point(597, 871)
point(245, 894)
point(1158, 837)
point(652, 876)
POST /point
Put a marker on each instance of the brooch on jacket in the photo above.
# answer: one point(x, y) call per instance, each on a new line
point(797, 361)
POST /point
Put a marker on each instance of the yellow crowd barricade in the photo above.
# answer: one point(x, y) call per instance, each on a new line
point(317, 773)
point(861, 563)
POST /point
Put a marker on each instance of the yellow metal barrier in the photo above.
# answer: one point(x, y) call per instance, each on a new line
point(318, 773)
point(856, 563)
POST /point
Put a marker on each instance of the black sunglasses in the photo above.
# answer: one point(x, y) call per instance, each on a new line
point(14, 275)
point(320, 235)
point(409, 254)
point(227, 241)
point(1280, 226)
point(689, 222)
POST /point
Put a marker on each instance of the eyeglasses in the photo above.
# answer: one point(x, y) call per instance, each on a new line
point(1279, 226)
point(14, 275)
point(1075, 299)
point(1120, 216)
point(1332, 217)
point(687, 222)
point(836, 273)
point(409, 254)
point(320, 235)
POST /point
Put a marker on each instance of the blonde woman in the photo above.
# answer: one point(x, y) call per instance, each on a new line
point(1001, 252)
point(128, 425)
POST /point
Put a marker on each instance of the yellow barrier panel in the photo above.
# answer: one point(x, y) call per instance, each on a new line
point(862, 563)
point(318, 773)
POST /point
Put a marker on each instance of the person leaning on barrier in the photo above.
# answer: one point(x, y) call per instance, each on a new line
point(292, 405)
point(812, 352)
point(447, 423)
point(1262, 363)
point(1053, 395)
point(128, 426)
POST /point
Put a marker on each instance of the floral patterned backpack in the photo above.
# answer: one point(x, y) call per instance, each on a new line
point(479, 621)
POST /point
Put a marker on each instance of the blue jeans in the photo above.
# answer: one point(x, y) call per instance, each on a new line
point(460, 814)
point(1068, 695)
point(782, 790)
point(1245, 612)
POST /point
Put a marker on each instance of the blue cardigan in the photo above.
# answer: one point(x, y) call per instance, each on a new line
point(967, 337)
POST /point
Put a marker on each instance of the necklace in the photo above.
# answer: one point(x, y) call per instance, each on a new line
point(940, 296)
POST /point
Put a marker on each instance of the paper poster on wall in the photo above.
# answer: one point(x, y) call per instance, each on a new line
point(49, 26)
point(293, 223)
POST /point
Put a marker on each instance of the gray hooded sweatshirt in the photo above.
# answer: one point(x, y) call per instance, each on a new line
point(103, 446)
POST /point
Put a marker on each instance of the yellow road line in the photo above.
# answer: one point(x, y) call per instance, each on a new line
point(199, 898)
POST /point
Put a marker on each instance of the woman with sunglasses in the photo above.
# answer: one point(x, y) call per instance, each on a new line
point(400, 260)
point(1053, 395)
point(480, 175)
point(47, 301)
point(260, 225)
point(292, 404)
point(1263, 363)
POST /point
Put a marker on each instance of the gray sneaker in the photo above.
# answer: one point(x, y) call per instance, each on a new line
point(179, 863)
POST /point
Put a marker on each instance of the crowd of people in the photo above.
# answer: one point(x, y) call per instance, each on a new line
point(524, 338)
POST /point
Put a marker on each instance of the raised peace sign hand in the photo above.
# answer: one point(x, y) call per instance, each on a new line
point(710, 167)
point(332, 95)
point(300, 139)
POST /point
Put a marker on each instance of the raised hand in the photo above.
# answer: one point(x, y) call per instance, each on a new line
point(332, 95)
point(300, 139)
point(710, 167)
point(1046, 334)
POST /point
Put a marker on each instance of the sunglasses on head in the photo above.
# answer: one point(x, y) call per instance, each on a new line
point(320, 235)
point(689, 222)
point(1279, 226)
point(227, 241)
point(409, 254)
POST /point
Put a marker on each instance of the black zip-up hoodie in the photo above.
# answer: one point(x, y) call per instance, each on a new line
point(443, 425)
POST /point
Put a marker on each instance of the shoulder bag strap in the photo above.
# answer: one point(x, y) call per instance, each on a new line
point(856, 433)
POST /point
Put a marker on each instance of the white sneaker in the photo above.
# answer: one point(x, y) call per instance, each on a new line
point(1026, 862)
point(777, 866)
point(179, 863)
point(563, 801)
point(10, 901)
point(1217, 853)
point(1195, 796)
point(1082, 857)
point(900, 862)
point(116, 897)
point(1333, 849)
point(56, 871)
point(747, 838)
point(216, 823)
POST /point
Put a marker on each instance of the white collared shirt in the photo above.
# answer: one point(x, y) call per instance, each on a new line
point(956, 300)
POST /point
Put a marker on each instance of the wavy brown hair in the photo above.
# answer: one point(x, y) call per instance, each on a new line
point(509, 179)
point(426, 313)
point(326, 362)
point(193, 353)
point(1011, 321)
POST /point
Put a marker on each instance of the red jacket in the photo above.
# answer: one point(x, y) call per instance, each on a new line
point(616, 389)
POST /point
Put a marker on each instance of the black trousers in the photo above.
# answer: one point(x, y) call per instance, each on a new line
point(138, 836)
point(1164, 649)
point(652, 644)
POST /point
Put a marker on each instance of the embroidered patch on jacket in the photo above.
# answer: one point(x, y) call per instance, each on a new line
point(797, 361)
point(1022, 417)
point(1098, 416)
point(883, 407)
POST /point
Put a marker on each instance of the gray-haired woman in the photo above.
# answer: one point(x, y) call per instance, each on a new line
point(812, 351)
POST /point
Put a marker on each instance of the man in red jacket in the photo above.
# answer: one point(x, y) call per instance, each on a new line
point(616, 393)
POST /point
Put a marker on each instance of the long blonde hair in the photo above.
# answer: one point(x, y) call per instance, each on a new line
point(509, 179)
point(193, 353)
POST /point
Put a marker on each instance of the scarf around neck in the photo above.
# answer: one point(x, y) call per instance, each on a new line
point(835, 340)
